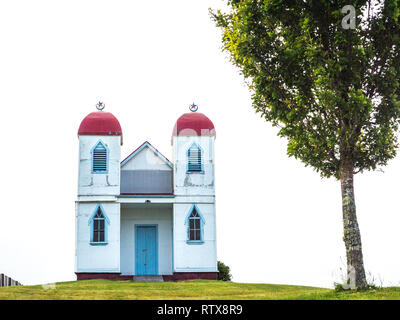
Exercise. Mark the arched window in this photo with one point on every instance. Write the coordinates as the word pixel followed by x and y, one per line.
pixel 99 223
pixel 195 226
pixel 194 159
pixel 100 158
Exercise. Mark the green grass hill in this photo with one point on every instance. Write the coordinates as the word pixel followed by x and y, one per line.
pixel 198 289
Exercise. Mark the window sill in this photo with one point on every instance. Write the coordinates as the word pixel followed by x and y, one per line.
pixel 198 172
pixel 194 241
pixel 101 172
pixel 98 243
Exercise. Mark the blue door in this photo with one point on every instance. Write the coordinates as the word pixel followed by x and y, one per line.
pixel 146 250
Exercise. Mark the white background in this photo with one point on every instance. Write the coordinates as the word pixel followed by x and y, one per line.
pixel 277 221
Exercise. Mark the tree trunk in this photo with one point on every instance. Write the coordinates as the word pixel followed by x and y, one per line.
pixel 352 236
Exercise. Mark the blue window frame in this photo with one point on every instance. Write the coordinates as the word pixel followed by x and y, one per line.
pixel 98 226
pixel 195 159
pixel 100 158
pixel 195 226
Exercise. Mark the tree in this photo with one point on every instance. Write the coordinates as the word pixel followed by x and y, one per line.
pixel 334 93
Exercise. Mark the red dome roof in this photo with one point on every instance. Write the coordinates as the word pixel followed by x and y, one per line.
pixel 100 123
pixel 193 124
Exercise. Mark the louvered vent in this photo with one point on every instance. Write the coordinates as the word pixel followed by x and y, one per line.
pixel 100 158
pixel 195 159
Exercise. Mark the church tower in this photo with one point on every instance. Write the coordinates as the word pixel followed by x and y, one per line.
pixel 193 149
pixel 193 140
pixel 97 209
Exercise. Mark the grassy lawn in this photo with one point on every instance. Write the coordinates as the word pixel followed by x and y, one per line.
pixel 199 289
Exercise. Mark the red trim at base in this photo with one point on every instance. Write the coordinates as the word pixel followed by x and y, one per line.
pixel 125 277
pixel 173 277
pixel 193 275
pixel 88 276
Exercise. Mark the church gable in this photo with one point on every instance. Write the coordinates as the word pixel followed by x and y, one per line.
pixel 146 157
pixel 146 171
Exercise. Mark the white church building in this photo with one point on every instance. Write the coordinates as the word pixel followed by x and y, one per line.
pixel 146 215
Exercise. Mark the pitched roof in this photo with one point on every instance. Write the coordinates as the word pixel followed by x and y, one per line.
pixel 140 148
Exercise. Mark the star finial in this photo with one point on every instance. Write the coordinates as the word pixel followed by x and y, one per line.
pixel 100 105
pixel 193 107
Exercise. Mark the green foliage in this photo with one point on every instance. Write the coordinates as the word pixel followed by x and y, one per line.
pixel 334 93
pixel 224 272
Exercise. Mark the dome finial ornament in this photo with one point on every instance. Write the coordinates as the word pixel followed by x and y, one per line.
pixel 193 107
pixel 100 105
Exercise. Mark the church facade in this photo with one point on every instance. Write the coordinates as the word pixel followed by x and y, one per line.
pixel 146 215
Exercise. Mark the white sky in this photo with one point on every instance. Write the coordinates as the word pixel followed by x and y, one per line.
pixel 277 221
